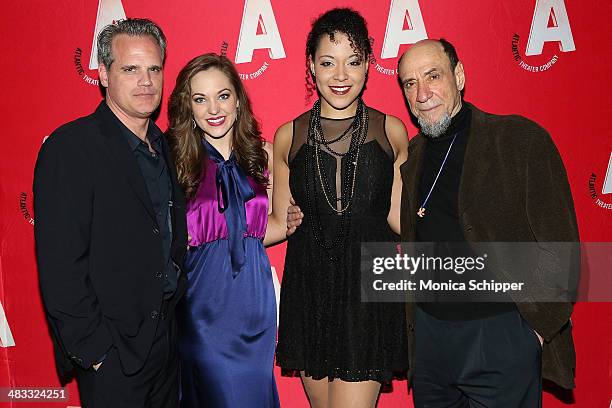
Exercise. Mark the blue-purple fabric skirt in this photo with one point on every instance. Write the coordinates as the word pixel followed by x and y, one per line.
pixel 227 329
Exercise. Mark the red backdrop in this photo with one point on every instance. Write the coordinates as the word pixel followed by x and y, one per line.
pixel 46 81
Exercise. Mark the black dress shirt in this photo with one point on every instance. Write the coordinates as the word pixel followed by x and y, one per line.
pixel 157 179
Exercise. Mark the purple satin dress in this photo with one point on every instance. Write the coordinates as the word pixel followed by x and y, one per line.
pixel 227 318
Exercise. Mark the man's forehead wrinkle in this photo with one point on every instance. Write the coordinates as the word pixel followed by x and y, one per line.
pixel 423 65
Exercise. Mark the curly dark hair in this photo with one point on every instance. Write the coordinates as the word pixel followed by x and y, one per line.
pixel 339 20
pixel 185 141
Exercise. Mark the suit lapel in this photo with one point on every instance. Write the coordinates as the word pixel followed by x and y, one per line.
pixel 178 201
pixel 476 162
pixel 123 156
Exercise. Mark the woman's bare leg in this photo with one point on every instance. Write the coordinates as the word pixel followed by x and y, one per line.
pixel 316 391
pixel 344 394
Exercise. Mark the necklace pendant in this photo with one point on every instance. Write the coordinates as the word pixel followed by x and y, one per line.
pixel 421 212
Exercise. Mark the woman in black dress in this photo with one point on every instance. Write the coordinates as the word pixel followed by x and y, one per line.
pixel 340 162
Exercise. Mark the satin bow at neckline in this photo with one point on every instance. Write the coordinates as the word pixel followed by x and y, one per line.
pixel 233 191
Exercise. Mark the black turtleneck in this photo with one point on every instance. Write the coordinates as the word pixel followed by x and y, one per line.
pixel 441 221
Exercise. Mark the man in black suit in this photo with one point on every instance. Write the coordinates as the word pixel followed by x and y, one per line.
pixel 111 232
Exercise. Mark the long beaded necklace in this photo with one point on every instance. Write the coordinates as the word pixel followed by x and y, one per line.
pixel 316 141
pixel 318 138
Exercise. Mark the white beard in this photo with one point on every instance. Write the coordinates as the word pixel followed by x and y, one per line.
pixel 435 129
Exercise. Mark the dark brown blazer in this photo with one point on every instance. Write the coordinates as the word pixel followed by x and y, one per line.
pixel 513 188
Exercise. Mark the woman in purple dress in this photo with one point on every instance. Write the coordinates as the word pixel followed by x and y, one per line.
pixel 227 319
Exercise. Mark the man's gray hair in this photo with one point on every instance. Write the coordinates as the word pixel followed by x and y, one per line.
pixel 134 27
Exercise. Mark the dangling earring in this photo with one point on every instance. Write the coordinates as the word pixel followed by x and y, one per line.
pixel 193 123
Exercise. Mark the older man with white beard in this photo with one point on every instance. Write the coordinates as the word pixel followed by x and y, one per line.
pixel 477 177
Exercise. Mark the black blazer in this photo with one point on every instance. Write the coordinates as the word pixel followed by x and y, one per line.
pixel 513 188
pixel 98 246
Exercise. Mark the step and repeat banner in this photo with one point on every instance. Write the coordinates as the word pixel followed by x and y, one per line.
pixel 548 60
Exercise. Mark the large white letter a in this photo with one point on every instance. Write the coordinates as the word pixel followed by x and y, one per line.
pixel 6 337
pixel 607 185
pixel 560 30
pixel 258 13
pixel 401 12
pixel 109 11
